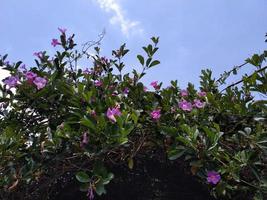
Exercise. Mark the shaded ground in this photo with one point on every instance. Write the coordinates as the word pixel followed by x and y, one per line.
pixel 149 180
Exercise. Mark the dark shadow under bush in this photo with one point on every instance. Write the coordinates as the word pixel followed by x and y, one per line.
pixel 149 179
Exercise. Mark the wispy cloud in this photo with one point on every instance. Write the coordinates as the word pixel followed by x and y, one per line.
pixel 127 26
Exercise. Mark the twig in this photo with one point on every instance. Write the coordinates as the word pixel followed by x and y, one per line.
pixel 229 72
pixel 240 81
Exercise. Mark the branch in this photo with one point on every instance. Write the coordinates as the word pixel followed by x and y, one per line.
pixel 89 44
pixel 240 81
pixel 232 70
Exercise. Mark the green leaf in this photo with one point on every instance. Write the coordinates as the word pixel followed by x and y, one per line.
pixel 107 179
pixel 155 62
pixel 141 59
pixel 176 153
pixel 148 61
pixel 82 177
pixel 100 188
pixel 86 122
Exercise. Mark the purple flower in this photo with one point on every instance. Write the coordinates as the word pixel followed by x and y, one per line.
pixel 55 42
pixel 155 114
pixel 39 54
pixel 87 71
pixel 126 90
pixel 155 85
pixel 85 139
pixel 112 113
pixel 40 82
pixel 90 193
pixel 62 30
pixel 185 105
pixel 22 68
pixel 213 177
pixel 198 103
pixel 184 93
pixel 11 81
pixel 98 83
pixel 202 94
pixel 30 76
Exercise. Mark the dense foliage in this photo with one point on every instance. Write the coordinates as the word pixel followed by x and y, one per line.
pixel 56 119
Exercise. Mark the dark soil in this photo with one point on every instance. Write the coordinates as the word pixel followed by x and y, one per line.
pixel 150 179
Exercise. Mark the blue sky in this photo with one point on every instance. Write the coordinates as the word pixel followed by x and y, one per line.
pixel 193 34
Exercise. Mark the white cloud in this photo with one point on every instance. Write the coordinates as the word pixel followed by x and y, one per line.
pixel 3 74
pixel 127 26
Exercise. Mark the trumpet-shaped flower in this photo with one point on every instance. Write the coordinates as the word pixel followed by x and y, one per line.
pixel 213 177
pixel 40 82
pixel 55 42
pixel 198 103
pixel 155 114
pixel 112 113
pixel 11 81
pixel 39 54
pixel 30 76
pixel 202 94
pixel 98 83
pixel 184 93
pixel 62 30
pixel 126 90
pixel 155 85
pixel 185 105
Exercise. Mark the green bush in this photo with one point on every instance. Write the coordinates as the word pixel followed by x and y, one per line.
pixel 61 119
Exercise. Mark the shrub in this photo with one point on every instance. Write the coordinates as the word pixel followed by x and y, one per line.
pixel 59 119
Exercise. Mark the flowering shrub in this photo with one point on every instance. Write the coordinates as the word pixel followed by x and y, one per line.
pixel 62 120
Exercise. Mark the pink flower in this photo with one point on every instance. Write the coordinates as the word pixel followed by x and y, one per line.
pixel 184 93
pixel 55 42
pixel 202 94
pixel 155 114
pixel 39 54
pixel 155 85
pixel 62 30
pixel 213 177
pixel 98 83
pixel 93 113
pixel 40 82
pixel 112 113
pixel 198 103
pixel 30 76
pixel 185 105
pixel 11 81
